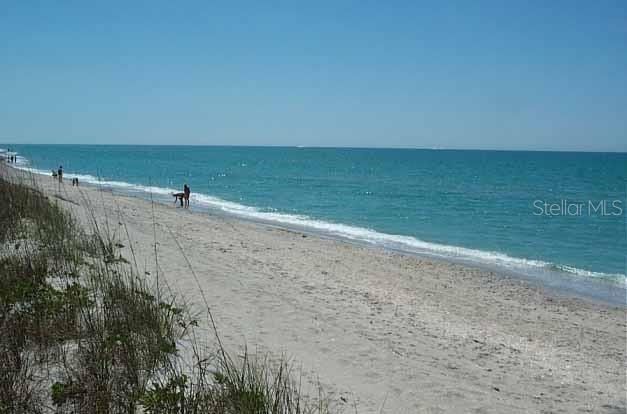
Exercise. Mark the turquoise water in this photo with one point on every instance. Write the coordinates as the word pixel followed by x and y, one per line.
pixel 484 207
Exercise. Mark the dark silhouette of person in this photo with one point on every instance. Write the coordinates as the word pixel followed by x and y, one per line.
pixel 60 173
pixel 186 193
pixel 179 197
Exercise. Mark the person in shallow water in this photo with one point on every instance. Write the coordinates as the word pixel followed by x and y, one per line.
pixel 178 197
pixel 186 193
pixel 182 197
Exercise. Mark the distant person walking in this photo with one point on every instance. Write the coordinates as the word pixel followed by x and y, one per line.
pixel 186 193
pixel 60 173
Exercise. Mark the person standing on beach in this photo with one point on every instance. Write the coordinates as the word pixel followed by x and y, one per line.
pixel 186 193
pixel 60 173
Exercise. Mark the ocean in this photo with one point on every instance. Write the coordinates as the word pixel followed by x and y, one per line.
pixel 555 217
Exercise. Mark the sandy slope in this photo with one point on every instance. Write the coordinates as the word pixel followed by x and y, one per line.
pixel 379 328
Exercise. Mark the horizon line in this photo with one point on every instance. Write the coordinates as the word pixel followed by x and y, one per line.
pixel 330 147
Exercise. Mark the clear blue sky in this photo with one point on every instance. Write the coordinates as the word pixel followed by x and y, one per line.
pixel 473 74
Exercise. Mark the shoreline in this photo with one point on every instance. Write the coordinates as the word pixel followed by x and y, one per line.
pixel 377 327
pixel 604 289
pixel 558 288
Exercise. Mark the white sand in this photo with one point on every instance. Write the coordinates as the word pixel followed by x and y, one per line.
pixel 379 328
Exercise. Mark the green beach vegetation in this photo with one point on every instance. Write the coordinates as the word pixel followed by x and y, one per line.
pixel 84 330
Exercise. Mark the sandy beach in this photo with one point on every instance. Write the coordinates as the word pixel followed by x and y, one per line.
pixel 381 331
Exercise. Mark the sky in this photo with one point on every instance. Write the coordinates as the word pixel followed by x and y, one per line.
pixel 536 75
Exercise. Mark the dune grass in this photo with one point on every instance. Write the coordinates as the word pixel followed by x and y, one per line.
pixel 83 330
